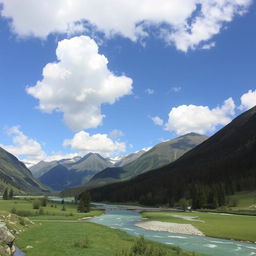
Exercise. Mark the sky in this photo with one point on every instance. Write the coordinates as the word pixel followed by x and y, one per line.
pixel 114 77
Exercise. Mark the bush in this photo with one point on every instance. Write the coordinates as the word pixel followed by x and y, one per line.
pixel 41 211
pixel 143 248
pixel 44 201
pixel 21 221
pixel 36 204
pixel 13 210
pixel 24 213
pixel 85 243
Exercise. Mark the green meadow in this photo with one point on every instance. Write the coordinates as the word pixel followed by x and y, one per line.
pixel 213 224
pixel 59 233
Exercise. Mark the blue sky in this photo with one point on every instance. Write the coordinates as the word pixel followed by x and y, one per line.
pixel 122 81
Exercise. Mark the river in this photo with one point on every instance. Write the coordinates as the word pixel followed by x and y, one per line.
pixel 118 218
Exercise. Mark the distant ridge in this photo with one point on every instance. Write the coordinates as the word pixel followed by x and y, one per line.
pixel 67 173
pixel 159 155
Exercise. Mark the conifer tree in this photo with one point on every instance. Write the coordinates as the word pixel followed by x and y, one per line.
pixel 5 194
pixel 84 202
pixel 11 194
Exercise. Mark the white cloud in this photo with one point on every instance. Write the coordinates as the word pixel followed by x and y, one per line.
pixel 114 134
pixel 97 143
pixel 79 83
pixel 208 46
pixel 199 119
pixel 149 91
pixel 157 120
pixel 176 89
pixel 188 22
pixel 24 147
pixel 248 100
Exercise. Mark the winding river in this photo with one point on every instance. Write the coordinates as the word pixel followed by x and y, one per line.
pixel 115 217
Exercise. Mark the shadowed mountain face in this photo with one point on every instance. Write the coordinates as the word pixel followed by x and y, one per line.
pixel 159 155
pixel 70 172
pixel 14 173
pixel 225 160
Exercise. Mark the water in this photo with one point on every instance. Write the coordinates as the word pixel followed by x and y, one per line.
pixel 124 220
pixel 18 252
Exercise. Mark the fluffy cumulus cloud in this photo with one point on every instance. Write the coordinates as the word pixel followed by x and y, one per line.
pixel 200 119
pixel 23 147
pixel 79 83
pixel 248 100
pixel 97 143
pixel 187 23
pixel 157 120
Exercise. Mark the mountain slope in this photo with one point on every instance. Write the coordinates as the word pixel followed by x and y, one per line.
pixel 129 158
pixel 60 177
pixel 160 155
pixel 14 173
pixel 70 172
pixel 225 162
pixel 42 167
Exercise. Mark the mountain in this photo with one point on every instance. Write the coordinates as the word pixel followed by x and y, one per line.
pixel 60 177
pixel 157 156
pixel 222 165
pixel 70 172
pixel 42 167
pixel 129 158
pixel 160 155
pixel 14 174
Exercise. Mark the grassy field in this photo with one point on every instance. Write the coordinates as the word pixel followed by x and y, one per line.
pixel 212 224
pixel 246 201
pixel 60 233
pixel 51 211
pixel 62 238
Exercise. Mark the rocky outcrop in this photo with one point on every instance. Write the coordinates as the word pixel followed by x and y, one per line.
pixel 6 240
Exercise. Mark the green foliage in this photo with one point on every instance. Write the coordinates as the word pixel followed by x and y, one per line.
pixel 21 221
pixel 84 243
pixel 44 201
pixel 84 202
pixel 5 194
pixel 183 204
pixel 36 204
pixel 141 247
pixel 63 208
pixel 41 211
pixel 10 194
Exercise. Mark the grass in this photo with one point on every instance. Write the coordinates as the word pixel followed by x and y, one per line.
pixel 246 200
pixel 66 238
pixel 214 225
pixel 51 211
pixel 59 235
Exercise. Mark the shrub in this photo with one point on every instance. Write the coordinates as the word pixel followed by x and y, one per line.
pixel 44 201
pixel 36 204
pixel 13 210
pixel 85 243
pixel 24 213
pixel 21 221
pixel 143 248
pixel 41 211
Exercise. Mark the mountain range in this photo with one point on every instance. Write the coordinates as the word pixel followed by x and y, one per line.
pixel 14 174
pixel 223 164
pixel 159 155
